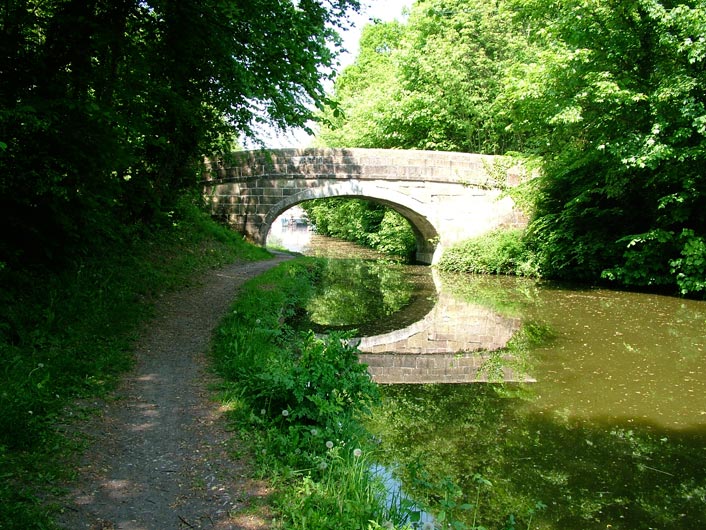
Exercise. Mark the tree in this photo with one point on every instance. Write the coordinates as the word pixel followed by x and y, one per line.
pixel 615 106
pixel 432 82
pixel 108 106
pixel 365 91
pixel 365 222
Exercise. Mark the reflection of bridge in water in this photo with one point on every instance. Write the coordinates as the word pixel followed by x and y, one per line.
pixel 451 344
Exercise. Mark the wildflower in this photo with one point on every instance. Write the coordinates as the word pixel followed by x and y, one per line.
pixel 285 413
pixel 314 432
pixel 323 465
pixel 329 444
pixel 262 411
pixel 357 453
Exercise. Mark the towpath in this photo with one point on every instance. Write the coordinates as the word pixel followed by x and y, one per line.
pixel 160 457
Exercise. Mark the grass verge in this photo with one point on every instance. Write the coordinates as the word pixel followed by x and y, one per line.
pixel 299 404
pixel 297 401
pixel 66 335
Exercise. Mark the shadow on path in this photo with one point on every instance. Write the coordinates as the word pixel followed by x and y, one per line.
pixel 158 455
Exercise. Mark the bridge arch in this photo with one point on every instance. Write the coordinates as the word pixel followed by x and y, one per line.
pixel 446 197
pixel 413 210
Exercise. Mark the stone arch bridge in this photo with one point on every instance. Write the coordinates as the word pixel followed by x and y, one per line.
pixel 446 197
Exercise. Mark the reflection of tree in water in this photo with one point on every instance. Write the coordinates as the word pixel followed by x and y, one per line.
pixel 354 292
pixel 590 474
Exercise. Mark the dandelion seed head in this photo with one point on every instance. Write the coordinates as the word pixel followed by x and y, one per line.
pixel 323 465
pixel 329 444
pixel 314 432
pixel 428 526
pixel 357 453
pixel 285 413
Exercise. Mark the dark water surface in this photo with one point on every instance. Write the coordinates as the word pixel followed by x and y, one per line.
pixel 611 435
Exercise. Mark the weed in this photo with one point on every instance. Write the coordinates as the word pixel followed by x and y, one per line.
pixel 498 252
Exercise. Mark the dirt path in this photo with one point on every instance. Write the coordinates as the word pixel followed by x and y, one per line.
pixel 158 459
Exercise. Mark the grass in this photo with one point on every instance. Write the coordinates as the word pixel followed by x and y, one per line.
pixel 66 335
pixel 297 401
pixel 299 404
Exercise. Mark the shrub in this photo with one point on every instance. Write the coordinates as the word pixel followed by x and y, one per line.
pixel 498 252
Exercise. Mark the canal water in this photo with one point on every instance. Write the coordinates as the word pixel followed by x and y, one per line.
pixel 601 420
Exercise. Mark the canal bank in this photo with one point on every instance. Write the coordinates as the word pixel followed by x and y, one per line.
pixel 613 432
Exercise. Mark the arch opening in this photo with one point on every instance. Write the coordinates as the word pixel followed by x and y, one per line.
pixel 425 233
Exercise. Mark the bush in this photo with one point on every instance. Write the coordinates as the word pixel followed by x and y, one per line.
pixel 394 236
pixel 498 252
pixel 364 222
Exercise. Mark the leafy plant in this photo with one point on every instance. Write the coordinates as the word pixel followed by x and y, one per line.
pixel 498 252
pixel 300 398
pixel 363 222
pixel 614 196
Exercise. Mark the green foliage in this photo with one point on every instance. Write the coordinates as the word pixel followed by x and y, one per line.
pixel 614 107
pixel 363 222
pixel 107 108
pixel 690 268
pixel 606 97
pixel 300 399
pixel 345 496
pixel 67 335
pixel 498 252
pixel 295 381
pixel 350 219
pixel 394 236
pixel 430 83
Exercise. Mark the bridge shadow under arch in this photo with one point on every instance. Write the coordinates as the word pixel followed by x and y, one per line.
pixel 413 210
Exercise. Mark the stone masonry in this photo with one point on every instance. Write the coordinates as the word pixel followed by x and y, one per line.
pixel 446 197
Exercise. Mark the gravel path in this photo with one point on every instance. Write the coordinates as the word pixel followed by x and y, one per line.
pixel 159 453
